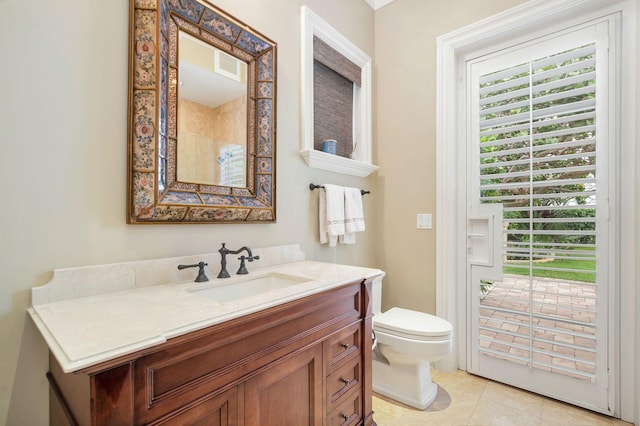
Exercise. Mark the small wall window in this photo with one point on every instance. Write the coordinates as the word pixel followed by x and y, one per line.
pixel 335 80
pixel 336 99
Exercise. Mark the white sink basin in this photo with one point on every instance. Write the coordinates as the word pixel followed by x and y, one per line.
pixel 250 287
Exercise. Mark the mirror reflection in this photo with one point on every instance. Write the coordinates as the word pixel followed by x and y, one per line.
pixel 212 115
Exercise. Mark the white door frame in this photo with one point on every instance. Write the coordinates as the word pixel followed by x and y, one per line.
pixel 525 22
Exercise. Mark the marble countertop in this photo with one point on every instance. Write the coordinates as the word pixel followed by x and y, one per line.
pixel 85 331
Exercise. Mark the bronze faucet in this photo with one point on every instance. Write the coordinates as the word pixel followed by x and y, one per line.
pixel 223 260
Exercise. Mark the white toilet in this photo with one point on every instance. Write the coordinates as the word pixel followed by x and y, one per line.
pixel 406 343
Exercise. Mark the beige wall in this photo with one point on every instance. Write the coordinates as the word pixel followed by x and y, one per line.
pixel 405 129
pixel 63 133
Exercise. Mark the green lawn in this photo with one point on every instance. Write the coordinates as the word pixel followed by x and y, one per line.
pixel 589 265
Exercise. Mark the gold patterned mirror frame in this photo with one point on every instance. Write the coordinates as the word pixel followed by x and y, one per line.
pixel 154 193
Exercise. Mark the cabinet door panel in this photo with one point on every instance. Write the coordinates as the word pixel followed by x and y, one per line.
pixel 289 393
pixel 221 410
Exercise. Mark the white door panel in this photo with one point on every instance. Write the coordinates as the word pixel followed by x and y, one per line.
pixel 537 217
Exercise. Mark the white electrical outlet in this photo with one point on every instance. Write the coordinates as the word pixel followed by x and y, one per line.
pixel 424 221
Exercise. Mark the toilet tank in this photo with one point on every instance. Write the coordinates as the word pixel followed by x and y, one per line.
pixel 376 289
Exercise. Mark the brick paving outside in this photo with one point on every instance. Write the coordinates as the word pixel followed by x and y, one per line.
pixel 562 319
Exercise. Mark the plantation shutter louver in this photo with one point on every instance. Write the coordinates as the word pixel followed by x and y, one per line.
pixel 537 125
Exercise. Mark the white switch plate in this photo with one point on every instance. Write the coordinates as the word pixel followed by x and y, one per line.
pixel 424 221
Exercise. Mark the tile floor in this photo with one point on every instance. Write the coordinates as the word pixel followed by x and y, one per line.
pixel 465 399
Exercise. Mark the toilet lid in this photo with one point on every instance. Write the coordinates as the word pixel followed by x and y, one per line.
pixel 411 322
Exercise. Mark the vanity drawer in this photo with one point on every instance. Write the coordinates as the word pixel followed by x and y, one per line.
pixel 340 382
pixel 349 412
pixel 343 345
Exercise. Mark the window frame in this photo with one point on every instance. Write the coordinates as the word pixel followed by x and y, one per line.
pixel 360 164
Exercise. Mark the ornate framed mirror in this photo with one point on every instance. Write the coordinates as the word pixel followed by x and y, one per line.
pixel 202 106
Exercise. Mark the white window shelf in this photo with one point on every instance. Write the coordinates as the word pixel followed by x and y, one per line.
pixel 334 163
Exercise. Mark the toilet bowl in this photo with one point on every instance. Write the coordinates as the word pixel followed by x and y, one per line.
pixel 407 342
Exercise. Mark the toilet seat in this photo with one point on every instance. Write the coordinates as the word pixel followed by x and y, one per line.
pixel 412 325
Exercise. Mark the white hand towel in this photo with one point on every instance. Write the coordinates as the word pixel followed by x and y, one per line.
pixel 331 214
pixel 322 220
pixel 353 212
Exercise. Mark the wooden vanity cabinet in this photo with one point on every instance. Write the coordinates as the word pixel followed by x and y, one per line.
pixel 305 362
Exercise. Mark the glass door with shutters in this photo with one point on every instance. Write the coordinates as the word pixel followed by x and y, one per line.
pixel 538 149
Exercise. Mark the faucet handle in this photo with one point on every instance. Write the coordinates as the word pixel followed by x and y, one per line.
pixel 243 268
pixel 202 277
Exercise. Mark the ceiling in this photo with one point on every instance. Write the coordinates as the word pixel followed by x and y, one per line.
pixel 377 4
